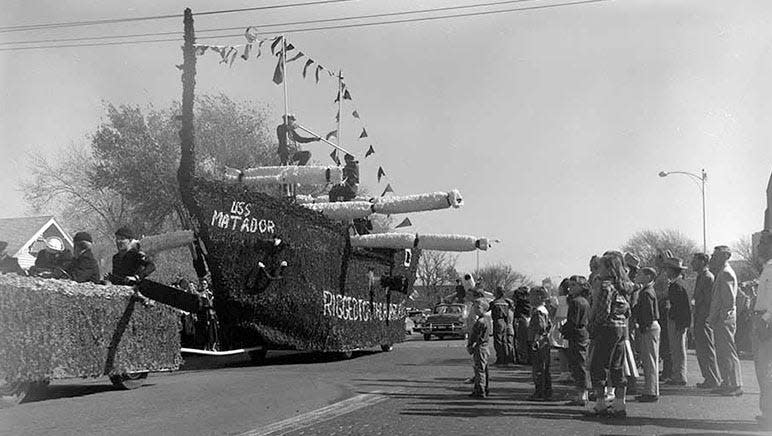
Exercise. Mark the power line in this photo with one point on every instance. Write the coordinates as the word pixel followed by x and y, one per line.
pixel 291 23
pixel 311 29
pixel 26 27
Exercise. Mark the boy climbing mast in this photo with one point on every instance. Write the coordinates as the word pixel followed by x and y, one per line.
pixel 286 131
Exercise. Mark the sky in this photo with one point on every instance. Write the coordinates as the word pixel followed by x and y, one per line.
pixel 553 123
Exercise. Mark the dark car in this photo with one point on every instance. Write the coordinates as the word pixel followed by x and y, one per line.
pixel 447 320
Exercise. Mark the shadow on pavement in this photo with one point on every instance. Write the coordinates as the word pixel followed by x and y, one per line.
pixel 695 424
pixel 274 358
pixel 53 392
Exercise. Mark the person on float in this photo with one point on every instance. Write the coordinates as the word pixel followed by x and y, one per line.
pixel 348 188
pixel 130 265
pixel 723 321
pixel 83 267
pixel 704 342
pixel 52 260
pixel 286 133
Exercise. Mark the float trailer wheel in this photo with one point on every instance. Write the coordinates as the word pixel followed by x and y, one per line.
pixel 129 381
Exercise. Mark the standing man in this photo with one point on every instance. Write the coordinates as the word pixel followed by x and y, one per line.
pixel 500 308
pixel 522 317
pixel 703 333
pixel 679 319
pixel 762 335
pixel 286 131
pixel 661 284
pixel 83 267
pixel 646 314
pixel 723 320
pixel 130 265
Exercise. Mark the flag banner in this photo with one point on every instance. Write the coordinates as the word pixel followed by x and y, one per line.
pixel 370 151
pixel 333 134
pixel 334 156
pixel 201 49
pixel 305 68
pixel 405 223
pixel 381 173
pixel 296 57
pixel 247 51
pixel 278 73
pixel 318 69
pixel 346 95
pixel 355 114
pixel 363 134
pixel 337 98
pixel 387 190
pixel 251 34
pixel 289 47
pixel 276 42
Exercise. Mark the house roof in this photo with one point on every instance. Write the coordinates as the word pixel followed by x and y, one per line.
pixel 18 231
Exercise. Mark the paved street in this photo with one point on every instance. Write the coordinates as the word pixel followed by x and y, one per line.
pixel 416 389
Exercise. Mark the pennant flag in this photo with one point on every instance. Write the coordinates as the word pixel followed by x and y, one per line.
pixel 370 151
pixel 247 51
pixel 346 95
pixel 335 158
pixel 318 69
pixel 337 98
pixel 305 68
pixel 363 134
pixel 334 133
pixel 251 34
pixel 201 49
pixel 405 223
pixel 355 114
pixel 179 66
pixel 381 173
pixel 296 57
pixel 290 47
pixel 276 42
pixel 278 73
pixel 388 189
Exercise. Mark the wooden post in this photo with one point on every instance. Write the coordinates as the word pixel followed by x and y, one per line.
pixel 340 106
pixel 187 139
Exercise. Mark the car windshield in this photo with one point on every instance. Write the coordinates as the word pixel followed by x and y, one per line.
pixel 451 310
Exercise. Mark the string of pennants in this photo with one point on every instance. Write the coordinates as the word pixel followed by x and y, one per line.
pixel 280 47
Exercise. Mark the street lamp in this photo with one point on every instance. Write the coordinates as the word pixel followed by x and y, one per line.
pixel 700 180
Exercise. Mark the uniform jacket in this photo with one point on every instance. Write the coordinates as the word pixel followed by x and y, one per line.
pixel 84 268
pixel 703 294
pixel 646 311
pixel 723 306
pixel 500 308
pixel 522 308
pixel 575 328
pixel 680 308
pixel 481 329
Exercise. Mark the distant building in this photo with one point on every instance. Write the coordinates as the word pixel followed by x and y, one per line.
pixel 22 233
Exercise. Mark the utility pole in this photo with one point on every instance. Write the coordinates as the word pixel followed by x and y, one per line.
pixel 187 138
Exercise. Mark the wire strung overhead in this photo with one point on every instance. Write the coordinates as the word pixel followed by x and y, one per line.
pixel 310 29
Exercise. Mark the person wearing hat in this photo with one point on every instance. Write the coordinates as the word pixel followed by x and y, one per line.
pixel 130 265
pixel 575 331
pixel 762 355
pixel 704 342
pixel 477 346
pixel 348 188
pixel 661 285
pixel 286 131
pixel 646 315
pixel 83 267
pixel 723 319
pixel 522 315
pixel 502 323
pixel 52 260
pixel 539 344
pixel 9 264
pixel 679 319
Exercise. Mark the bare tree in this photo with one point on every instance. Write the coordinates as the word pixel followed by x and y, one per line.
pixel 647 243
pixel 434 268
pixel 742 250
pixel 501 274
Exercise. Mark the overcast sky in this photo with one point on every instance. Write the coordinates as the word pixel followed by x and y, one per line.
pixel 553 123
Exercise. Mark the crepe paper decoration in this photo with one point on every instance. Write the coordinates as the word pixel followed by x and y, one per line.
pixel 381 173
pixel 305 68
pixel 363 134
pixel 296 57
pixel 370 151
pixel 405 223
pixel 167 241
pixel 387 190
pixel 439 242
pixel 418 202
pixel 307 175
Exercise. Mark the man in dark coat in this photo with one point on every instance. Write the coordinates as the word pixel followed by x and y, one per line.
pixel 130 265
pixel 51 261
pixel 286 132
pixel 679 319
pixel 9 264
pixel 500 308
pixel 704 342
pixel 522 318
pixel 83 268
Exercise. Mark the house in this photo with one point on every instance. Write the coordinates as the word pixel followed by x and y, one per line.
pixel 21 233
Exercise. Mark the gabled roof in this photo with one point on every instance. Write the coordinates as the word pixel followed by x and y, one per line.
pixel 18 231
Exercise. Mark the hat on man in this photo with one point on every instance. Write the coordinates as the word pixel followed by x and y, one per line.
pixel 539 293
pixel 632 260
pixel 723 249
pixel 649 271
pixel 124 233
pixel 289 117
pixel 348 157
pixel 82 236
pixel 54 243
pixel 674 263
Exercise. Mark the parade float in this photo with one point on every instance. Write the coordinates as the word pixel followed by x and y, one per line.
pixel 286 271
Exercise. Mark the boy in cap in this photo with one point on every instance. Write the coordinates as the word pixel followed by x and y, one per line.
pixel 575 330
pixel 130 265
pixel 83 267
pixel 286 131
pixel 539 344
pixel 477 346
pixel 679 319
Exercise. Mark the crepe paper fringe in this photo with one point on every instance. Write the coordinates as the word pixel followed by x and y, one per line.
pixel 167 241
pixel 439 242
pixel 348 210
pixel 305 175
pixel 54 329
pixel 418 202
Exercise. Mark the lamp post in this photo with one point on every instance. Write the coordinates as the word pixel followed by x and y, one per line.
pixel 700 179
